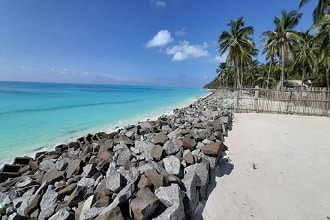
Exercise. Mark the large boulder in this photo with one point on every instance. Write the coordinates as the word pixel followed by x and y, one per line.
pixel 74 167
pixel 202 172
pixel 213 149
pixel 144 204
pixel 48 203
pixel 172 165
pixel 160 138
pixel 114 180
pixel 122 154
pixel 172 197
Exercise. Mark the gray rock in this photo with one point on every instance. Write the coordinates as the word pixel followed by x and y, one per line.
pixel 213 149
pixel 122 154
pixel 123 139
pixel 144 204
pixel 25 181
pixel 188 157
pixel 130 175
pixel 172 197
pixel 113 214
pixel 189 143
pixel 63 214
pixel 46 165
pixel 87 212
pixel 174 134
pixel 160 138
pixel 189 181
pixel 62 163
pixel 86 182
pixel 114 180
pixel 89 170
pixel 145 147
pixel 121 197
pixel 172 165
pixel 48 203
pixel 170 148
pixel 202 172
pixel 16 216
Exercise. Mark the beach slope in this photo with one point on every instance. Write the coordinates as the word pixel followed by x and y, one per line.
pixel 281 169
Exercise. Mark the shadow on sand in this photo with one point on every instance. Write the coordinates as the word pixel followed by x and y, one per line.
pixel 224 167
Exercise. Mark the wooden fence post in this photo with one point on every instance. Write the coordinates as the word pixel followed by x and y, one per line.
pixel 256 97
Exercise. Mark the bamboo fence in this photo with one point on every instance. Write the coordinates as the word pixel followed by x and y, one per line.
pixel 295 101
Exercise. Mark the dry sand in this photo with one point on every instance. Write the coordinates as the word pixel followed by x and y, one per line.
pixel 292 175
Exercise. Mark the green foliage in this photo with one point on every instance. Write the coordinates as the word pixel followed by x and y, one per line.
pixel 289 54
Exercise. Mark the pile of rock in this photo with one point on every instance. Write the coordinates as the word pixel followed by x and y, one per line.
pixel 155 169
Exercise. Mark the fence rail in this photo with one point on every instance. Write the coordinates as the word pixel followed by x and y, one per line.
pixel 302 102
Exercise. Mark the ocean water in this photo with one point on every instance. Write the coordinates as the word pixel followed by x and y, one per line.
pixel 40 115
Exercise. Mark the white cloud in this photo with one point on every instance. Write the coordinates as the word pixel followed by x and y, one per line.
pixel 158 3
pixel 221 58
pixel 184 50
pixel 181 32
pixel 162 38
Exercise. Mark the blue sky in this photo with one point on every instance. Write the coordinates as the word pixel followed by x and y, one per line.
pixel 140 42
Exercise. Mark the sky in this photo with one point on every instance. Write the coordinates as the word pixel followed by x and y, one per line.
pixel 137 42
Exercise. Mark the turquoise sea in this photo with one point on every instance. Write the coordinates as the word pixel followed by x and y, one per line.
pixel 40 115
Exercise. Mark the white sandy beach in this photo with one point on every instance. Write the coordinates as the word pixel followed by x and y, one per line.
pixel 292 175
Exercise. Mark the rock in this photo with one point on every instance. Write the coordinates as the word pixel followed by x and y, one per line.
pixel 63 214
pixel 170 148
pixel 178 143
pixel 52 176
pixel 213 149
pixel 86 182
pixel 202 172
pixel 74 168
pixel 16 216
pixel 87 212
pixel 59 149
pixel 114 180
pixel 130 175
pixel 124 195
pixel 174 134
pixel 172 165
pixel 123 139
pixel 189 181
pixel 144 204
pixel 188 157
pixel 68 189
pixel 157 152
pixel 144 182
pixel 145 147
pixel 172 197
pixel 76 196
pixel 62 163
pixel 48 203
pixel 25 181
pixel 156 178
pixel 122 154
pixel 102 201
pixel 160 138
pixel 113 214
pixel 189 143
pixel 46 165
pixel 89 170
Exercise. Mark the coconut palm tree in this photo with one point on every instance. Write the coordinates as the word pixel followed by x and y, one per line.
pixel 283 37
pixel 236 42
pixel 320 10
pixel 305 54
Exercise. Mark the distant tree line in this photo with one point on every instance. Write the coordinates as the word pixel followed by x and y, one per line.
pixel 289 54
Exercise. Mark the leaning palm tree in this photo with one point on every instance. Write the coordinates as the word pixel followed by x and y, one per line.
pixel 283 37
pixel 269 48
pixel 236 42
pixel 322 8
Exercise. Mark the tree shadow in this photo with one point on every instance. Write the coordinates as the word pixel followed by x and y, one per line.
pixel 224 167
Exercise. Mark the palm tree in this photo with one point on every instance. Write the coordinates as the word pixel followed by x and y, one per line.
pixel 283 37
pixel 320 10
pixel 237 42
pixel 305 54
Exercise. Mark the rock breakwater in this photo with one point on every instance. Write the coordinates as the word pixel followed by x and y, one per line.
pixel 156 169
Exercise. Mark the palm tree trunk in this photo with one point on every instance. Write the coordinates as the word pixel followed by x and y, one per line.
pixel 238 77
pixel 242 75
pixel 282 75
pixel 328 77
pixel 270 67
pixel 303 77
